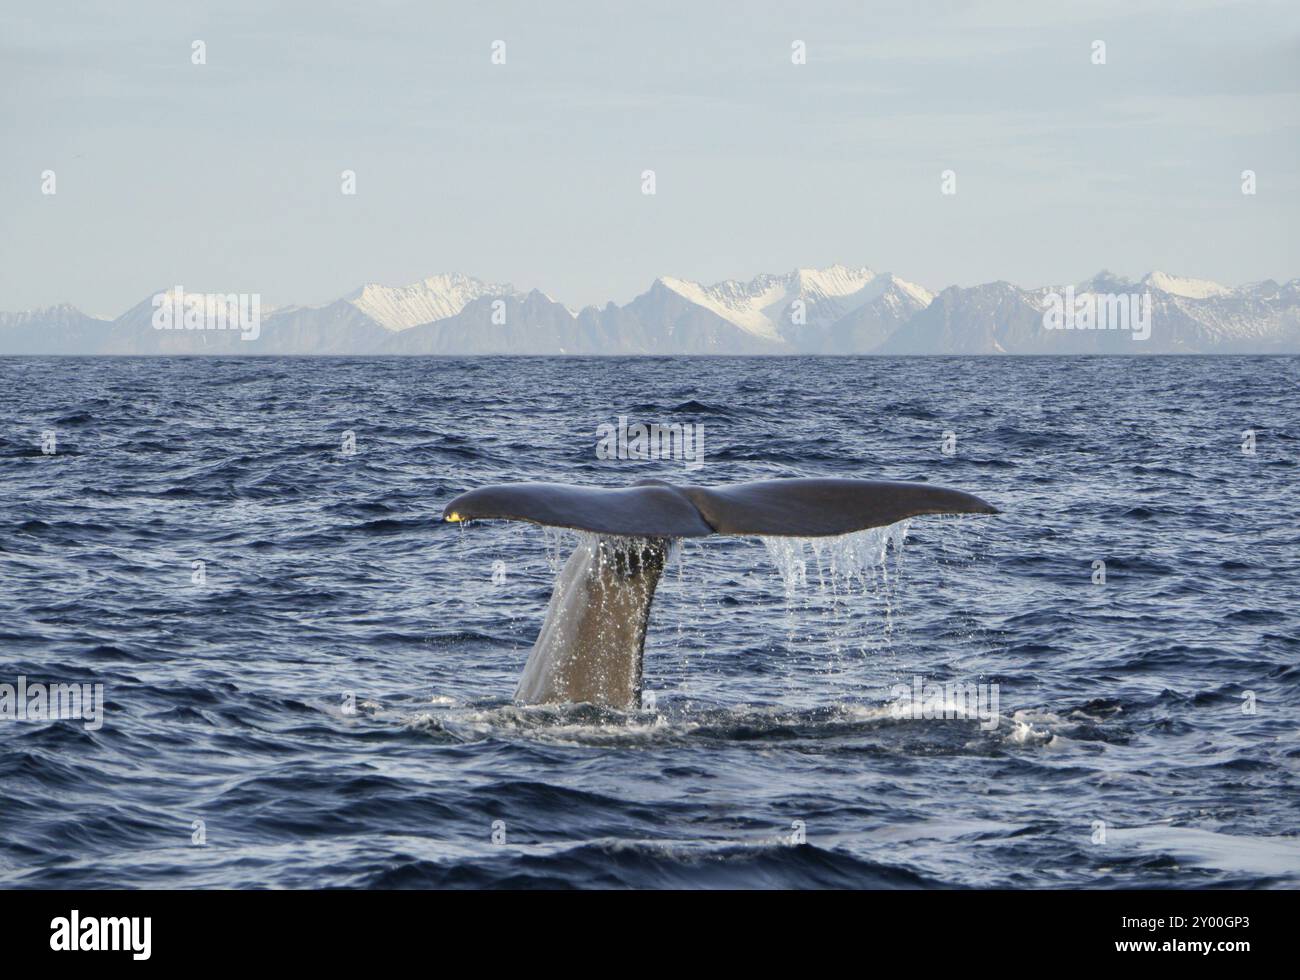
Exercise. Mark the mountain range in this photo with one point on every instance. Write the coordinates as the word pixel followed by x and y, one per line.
pixel 838 310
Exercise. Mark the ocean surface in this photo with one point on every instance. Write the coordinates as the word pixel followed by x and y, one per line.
pixel 325 701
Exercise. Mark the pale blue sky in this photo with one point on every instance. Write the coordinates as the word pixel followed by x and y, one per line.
pixel 226 176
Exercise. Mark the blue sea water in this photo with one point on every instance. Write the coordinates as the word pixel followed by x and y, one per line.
pixel 331 704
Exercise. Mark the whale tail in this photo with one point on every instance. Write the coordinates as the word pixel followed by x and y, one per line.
pixel 591 645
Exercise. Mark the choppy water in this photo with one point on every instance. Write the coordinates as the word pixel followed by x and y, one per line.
pixel 771 666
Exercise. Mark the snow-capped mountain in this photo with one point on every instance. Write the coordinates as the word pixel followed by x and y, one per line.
pixel 891 303
pixel 993 318
pixel 1203 317
pixel 795 306
pixel 839 310
pixel 512 323
pixel 436 298
pixel 1186 316
pixel 663 320
pixel 61 329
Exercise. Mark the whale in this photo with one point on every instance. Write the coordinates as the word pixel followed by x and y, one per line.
pixel 591 646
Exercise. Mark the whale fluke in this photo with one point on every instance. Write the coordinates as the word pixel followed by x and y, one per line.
pixel 591 645
pixel 801 508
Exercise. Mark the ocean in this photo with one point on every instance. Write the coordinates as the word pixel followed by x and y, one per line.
pixel 307 675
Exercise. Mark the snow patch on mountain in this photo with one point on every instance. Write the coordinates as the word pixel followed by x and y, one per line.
pixel 436 298
pixel 922 295
pixel 1189 288
pixel 742 304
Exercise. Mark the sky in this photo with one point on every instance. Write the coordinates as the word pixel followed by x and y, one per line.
pixel 226 176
